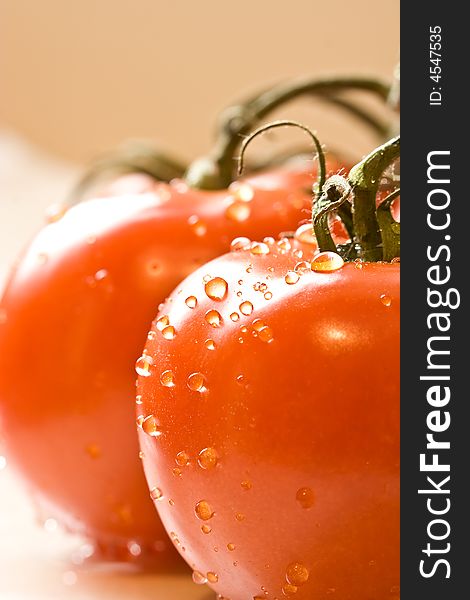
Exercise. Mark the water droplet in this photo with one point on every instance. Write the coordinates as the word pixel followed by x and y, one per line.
pixel 266 335
pixel 191 301
pixel 234 316
pixel 162 322
pixel 197 226
pixel 141 455
pixel 297 574
pixel 242 191
pixel 93 450
pixel 289 590
pixel 171 502
pixel 208 458
pixel 240 517
pixel 359 263
pixel 249 268
pixel 239 294
pixel 156 493
pixel 326 262
pixel 268 296
pixel 305 497
pixel 291 277
pixel 197 382
pixel 138 399
pixel 177 472
pixel 206 529
pixel 246 485
pixel 240 243
pixel 386 300
pixel 258 324
pixel 395 260
pixel 230 547
pixel 216 289
pixel 55 212
pixel 306 235
pixel 167 378
pixel 212 577
pixel 50 525
pixel 143 365
pixel 203 510
pixel 199 578
pixel 151 426
pixel 246 308
pixel 169 332
pixel 210 344
pixel 151 335
pixel 259 248
pixel 214 318
pixel 101 274
pixel 134 548
pixel 238 211
pixel 302 267
pixel 182 458
pixel 284 245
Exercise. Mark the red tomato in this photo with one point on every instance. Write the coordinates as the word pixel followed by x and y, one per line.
pixel 74 317
pixel 269 425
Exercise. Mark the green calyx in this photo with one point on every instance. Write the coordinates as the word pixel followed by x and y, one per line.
pixel 375 235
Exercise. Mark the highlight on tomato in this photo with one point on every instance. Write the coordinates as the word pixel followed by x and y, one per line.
pixel 269 420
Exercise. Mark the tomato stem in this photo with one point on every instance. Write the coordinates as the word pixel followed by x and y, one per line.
pixel 364 179
pixel 216 171
pixel 286 123
pixel 333 194
pixel 389 228
pixel 131 157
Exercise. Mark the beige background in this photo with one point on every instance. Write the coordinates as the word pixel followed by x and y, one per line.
pixel 77 77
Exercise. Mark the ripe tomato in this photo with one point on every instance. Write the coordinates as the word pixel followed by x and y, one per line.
pixel 269 425
pixel 74 317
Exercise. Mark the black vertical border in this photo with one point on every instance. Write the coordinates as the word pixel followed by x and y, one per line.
pixel 424 129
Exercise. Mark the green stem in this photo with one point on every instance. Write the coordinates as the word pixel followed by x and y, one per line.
pixel 364 179
pixel 389 228
pixel 286 123
pixel 332 196
pixel 378 126
pixel 216 171
pixel 131 157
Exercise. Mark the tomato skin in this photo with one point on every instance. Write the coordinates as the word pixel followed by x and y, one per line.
pixel 305 429
pixel 75 314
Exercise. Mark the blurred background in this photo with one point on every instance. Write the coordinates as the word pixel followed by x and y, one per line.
pixel 79 77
